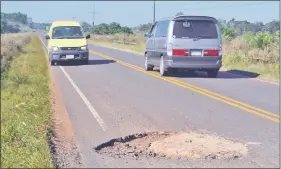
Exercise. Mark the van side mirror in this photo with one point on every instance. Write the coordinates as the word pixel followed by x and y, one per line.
pixel 47 37
pixel 147 35
pixel 88 36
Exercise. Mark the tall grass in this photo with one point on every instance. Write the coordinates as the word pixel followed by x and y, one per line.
pixel 11 45
pixel 25 106
pixel 256 53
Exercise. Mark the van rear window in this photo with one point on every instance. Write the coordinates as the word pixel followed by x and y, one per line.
pixel 195 29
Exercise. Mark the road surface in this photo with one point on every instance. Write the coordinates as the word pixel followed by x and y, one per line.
pixel 113 96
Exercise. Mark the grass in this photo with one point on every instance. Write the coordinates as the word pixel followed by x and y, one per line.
pixel 238 54
pixel 26 110
pixel 11 45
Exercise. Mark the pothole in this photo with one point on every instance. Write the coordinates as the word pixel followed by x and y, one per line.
pixel 188 145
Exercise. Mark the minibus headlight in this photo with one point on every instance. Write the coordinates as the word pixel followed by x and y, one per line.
pixel 84 47
pixel 54 48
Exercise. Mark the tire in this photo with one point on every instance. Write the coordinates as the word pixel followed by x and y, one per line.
pixel 213 73
pixel 163 70
pixel 147 66
pixel 174 70
pixel 85 62
pixel 52 63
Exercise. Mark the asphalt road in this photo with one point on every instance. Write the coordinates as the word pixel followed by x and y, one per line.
pixel 113 96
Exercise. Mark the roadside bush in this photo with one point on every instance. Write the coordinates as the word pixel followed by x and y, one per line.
pixel 11 45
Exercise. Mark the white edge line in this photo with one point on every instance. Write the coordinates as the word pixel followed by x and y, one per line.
pixel 83 97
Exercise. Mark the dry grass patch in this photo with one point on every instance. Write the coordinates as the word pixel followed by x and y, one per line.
pixel 11 45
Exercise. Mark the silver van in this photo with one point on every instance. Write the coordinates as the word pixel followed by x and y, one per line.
pixel 184 42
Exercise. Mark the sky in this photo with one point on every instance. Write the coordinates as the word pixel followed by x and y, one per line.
pixel 133 13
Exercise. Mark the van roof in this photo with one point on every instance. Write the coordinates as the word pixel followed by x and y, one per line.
pixel 180 17
pixel 65 23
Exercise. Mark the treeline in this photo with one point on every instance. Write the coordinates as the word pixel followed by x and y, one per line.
pixel 14 23
pixel 40 25
pixel 106 29
pixel 15 17
pixel 7 18
pixel 8 28
pixel 234 26
pixel 241 27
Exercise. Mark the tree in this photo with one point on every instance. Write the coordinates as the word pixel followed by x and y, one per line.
pixel 272 26
pixel 145 27
pixel 3 26
pixel 179 13
pixel 16 17
pixel 127 30
pixel 86 26
pixel 101 29
pixel 228 33
pixel 114 27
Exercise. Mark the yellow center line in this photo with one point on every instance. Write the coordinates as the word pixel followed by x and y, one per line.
pixel 238 104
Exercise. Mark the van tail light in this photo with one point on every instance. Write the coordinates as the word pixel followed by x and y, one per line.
pixel 211 52
pixel 180 52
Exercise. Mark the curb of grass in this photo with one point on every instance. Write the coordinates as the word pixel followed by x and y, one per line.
pixel 25 114
pixel 272 81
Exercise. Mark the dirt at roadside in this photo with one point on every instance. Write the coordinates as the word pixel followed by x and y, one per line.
pixel 63 148
pixel 186 145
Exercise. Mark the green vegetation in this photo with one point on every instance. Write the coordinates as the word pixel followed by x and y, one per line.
pixel 25 109
pixel 12 44
pixel 252 47
pixel 16 17
pixel 106 29
pixel 19 22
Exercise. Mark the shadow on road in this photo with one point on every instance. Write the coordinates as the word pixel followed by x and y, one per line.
pixel 229 74
pixel 247 74
pixel 91 62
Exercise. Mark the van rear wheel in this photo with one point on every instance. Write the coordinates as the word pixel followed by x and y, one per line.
pixel 174 70
pixel 213 73
pixel 163 70
pixel 147 66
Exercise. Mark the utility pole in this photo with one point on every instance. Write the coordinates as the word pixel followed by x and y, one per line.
pixel 94 13
pixel 153 11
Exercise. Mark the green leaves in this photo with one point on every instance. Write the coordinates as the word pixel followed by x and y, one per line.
pixel 112 28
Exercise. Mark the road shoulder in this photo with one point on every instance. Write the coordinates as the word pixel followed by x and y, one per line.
pixel 65 152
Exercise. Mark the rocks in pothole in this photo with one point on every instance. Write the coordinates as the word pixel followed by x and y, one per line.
pixel 179 145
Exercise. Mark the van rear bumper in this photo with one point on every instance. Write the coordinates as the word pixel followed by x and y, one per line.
pixel 195 63
pixel 61 55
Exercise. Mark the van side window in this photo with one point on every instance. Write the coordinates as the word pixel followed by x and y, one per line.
pixel 162 29
pixel 165 28
pixel 152 31
pixel 158 30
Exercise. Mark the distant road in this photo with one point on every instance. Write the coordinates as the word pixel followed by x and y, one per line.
pixel 113 96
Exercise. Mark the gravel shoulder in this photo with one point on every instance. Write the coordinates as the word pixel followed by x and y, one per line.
pixel 63 146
